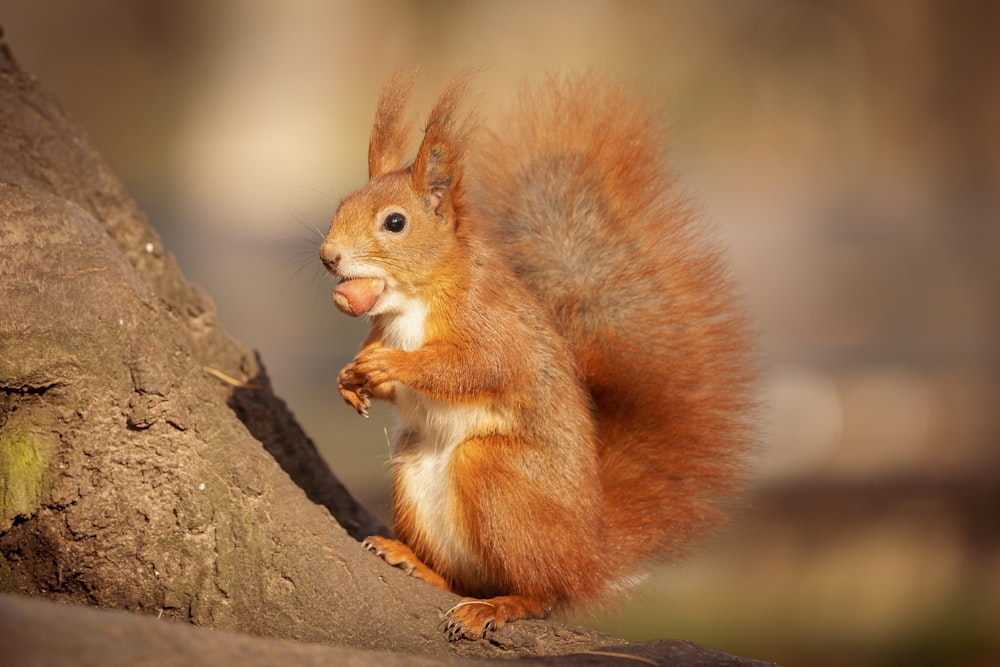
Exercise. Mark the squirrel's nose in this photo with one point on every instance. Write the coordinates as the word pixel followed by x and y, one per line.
pixel 330 258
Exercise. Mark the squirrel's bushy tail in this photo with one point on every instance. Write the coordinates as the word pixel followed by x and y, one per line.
pixel 575 189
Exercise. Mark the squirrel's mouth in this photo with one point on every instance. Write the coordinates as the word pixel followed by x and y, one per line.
pixel 356 296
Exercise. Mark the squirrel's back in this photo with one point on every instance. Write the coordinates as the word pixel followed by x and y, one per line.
pixel 573 189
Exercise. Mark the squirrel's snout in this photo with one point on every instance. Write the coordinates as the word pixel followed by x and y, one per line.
pixel 330 258
pixel 330 264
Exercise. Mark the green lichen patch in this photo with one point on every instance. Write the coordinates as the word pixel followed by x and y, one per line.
pixel 8 580
pixel 24 464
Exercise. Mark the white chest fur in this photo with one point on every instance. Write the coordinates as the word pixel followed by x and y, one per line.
pixel 405 329
pixel 434 432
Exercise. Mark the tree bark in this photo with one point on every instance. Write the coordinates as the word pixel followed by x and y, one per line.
pixel 133 475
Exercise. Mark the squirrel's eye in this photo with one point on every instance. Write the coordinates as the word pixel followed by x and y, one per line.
pixel 394 222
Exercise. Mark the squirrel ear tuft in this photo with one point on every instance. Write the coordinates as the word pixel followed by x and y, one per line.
pixel 391 128
pixel 437 169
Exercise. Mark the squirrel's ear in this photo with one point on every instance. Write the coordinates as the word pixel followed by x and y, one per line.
pixel 437 169
pixel 391 128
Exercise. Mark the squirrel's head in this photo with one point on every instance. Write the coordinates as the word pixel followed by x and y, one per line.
pixel 389 240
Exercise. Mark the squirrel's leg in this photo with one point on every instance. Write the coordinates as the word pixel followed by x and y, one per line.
pixel 472 618
pixel 399 555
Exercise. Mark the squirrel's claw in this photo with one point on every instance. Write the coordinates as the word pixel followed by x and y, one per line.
pixel 472 619
pixel 357 399
pixel 353 388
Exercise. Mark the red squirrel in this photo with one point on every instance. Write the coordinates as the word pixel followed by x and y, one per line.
pixel 561 342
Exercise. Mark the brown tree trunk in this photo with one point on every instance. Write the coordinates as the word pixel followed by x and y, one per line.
pixel 132 474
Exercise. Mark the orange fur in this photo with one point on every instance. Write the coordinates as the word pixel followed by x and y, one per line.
pixel 559 337
pixel 390 134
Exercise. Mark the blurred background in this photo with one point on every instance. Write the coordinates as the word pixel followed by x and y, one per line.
pixel 847 153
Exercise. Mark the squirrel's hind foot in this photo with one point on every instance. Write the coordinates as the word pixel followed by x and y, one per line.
pixel 399 555
pixel 473 618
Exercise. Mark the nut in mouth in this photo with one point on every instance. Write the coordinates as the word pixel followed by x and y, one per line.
pixel 356 296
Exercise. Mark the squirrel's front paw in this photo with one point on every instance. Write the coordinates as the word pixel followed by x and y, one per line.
pixel 373 365
pixel 367 377
pixel 351 388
